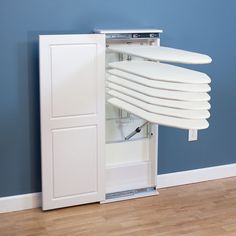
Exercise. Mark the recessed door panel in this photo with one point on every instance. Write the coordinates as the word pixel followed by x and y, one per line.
pixel 75 161
pixel 73 79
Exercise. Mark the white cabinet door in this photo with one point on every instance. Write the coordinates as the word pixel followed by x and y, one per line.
pixel 72 102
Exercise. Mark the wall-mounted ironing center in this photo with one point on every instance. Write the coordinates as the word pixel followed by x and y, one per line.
pixel 95 154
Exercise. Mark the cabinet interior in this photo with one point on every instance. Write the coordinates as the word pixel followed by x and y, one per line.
pixel 131 165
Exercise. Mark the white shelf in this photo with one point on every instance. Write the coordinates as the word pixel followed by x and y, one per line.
pixel 160 119
pixel 164 54
pixel 161 84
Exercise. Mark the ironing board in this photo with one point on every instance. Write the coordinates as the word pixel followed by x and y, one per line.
pixel 160 93
pixel 181 113
pixel 164 54
pixel 160 119
pixel 161 84
pixel 158 101
pixel 176 95
pixel 160 71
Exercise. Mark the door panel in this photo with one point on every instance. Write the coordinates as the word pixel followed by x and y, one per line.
pixel 74 161
pixel 73 80
pixel 72 105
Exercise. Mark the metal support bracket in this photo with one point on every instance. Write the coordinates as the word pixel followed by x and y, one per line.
pixel 137 130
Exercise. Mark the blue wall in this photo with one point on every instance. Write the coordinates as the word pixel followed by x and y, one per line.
pixel 201 25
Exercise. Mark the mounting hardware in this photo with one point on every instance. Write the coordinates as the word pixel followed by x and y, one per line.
pixel 137 130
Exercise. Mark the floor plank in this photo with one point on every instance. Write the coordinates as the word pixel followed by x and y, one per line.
pixel 202 209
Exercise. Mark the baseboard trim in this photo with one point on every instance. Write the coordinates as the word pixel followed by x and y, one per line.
pixel 195 176
pixel 20 202
pixel 33 200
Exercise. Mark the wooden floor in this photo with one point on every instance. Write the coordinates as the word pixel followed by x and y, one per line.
pixel 199 209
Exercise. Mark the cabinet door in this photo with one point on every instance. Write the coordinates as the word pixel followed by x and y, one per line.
pixel 72 100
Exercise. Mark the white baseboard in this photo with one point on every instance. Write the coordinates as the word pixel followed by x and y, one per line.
pixel 20 202
pixel 195 176
pixel 29 201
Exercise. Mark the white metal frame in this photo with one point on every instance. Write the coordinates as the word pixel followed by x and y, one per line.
pixel 142 174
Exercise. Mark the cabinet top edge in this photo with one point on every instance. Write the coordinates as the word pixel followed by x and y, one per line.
pixel 119 31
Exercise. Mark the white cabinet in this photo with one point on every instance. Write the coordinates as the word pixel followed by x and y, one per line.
pixel 72 100
pixel 93 154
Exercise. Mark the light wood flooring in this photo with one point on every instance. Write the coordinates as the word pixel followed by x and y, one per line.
pixel 204 209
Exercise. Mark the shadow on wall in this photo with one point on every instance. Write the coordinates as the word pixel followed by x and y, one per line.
pixel 28 103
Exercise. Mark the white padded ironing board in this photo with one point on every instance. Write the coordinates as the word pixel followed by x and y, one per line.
pixel 161 84
pixel 158 101
pixel 165 54
pixel 160 71
pixel 176 95
pixel 160 119
pixel 189 114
